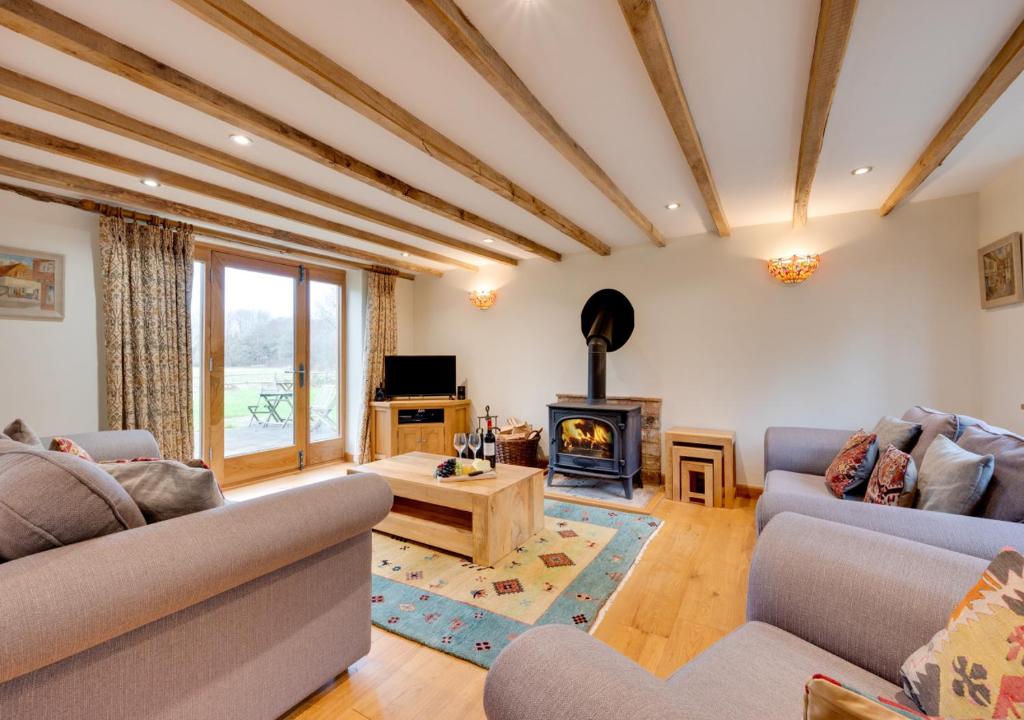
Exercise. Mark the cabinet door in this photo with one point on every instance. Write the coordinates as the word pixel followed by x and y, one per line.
pixel 433 440
pixel 409 439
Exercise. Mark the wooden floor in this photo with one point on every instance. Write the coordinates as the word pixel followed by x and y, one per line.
pixel 688 590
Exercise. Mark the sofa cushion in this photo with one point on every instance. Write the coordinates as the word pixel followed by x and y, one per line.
pixel 951 479
pixel 791 482
pixel 894 479
pixel 52 499
pixel 933 423
pixel 893 431
pixel 849 472
pixel 1004 499
pixel 774 666
pixel 19 431
pixel 972 667
pixel 165 489
pixel 827 699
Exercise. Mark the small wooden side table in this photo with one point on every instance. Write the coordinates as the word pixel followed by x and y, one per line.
pixel 723 440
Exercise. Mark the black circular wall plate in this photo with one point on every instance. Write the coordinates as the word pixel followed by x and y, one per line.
pixel 615 313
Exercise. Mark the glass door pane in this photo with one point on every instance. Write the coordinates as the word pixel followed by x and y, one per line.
pixel 324 361
pixel 259 361
pixel 198 317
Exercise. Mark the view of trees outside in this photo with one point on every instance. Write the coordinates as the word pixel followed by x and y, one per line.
pixel 324 359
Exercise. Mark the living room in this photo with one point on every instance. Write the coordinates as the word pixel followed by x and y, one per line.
pixel 511 359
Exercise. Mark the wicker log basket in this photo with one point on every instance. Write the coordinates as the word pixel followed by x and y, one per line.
pixel 518 451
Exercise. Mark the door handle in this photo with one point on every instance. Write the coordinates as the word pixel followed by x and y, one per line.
pixel 302 375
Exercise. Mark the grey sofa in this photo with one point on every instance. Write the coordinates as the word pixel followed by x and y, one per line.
pixel 804 616
pixel 796 460
pixel 236 612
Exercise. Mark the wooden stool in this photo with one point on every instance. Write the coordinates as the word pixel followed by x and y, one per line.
pixel 694 444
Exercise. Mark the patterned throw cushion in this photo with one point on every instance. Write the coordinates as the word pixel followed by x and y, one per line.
pixel 974 668
pixel 851 468
pixel 951 479
pixel 828 699
pixel 67 445
pixel 894 479
pixel 19 431
pixel 893 431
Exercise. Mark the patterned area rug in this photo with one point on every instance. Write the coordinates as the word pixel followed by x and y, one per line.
pixel 565 574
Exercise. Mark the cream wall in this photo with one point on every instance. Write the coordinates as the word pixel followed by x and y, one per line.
pixel 50 370
pixel 1000 212
pixel 889 320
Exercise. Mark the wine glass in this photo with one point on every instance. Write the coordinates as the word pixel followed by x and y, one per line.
pixel 460 442
pixel 474 442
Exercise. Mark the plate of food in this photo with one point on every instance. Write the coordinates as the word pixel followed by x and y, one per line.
pixel 455 470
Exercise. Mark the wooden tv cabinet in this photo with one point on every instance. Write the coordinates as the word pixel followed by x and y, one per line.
pixel 392 437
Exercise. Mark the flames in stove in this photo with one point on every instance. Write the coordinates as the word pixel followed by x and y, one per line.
pixel 582 436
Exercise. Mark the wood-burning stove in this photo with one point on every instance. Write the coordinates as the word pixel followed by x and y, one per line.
pixel 597 439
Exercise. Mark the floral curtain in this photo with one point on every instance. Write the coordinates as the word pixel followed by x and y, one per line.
pixel 147 286
pixel 379 339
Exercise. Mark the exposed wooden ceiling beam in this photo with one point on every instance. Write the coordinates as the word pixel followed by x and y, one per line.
pixel 258 32
pixel 44 25
pixel 644 21
pixel 94 207
pixel 263 245
pixel 46 97
pixel 451 23
pixel 30 172
pixel 101 158
pixel 835 21
pixel 999 75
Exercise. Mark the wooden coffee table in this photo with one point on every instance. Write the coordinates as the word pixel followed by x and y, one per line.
pixel 482 519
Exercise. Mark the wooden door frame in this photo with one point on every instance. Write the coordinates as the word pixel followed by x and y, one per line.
pixel 250 468
pixel 333 449
pixel 205 256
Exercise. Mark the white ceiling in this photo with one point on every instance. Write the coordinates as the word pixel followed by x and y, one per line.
pixel 743 64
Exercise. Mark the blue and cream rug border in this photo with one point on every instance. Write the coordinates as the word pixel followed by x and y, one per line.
pixel 478 635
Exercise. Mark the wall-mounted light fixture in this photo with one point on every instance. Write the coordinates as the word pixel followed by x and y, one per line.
pixel 794 269
pixel 483 299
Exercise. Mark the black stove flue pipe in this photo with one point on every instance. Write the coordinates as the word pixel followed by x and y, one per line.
pixel 607 323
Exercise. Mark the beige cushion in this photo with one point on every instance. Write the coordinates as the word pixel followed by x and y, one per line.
pixel 50 499
pixel 165 489
pixel 19 431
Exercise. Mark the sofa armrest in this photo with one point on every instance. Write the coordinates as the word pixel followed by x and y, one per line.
pixel 802 450
pixel 872 599
pixel 965 534
pixel 556 672
pixel 108 445
pixel 60 602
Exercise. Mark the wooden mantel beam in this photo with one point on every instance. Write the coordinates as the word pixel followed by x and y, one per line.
pixel 30 172
pixel 644 21
pixel 51 99
pixel 999 75
pixel 835 21
pixel 245 24
pixel 101 158
pixel 46 26
pixel 451 23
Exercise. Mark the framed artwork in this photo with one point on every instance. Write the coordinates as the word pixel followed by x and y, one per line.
pixel 999 272
pixel 31 284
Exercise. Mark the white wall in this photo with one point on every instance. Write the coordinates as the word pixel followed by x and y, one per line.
pixel 50 370
pixel 1001 212
pixel 889 320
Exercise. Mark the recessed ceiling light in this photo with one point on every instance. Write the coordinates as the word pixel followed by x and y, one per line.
pixel 150 182
pixel 239 139
pixel 862 170
pixel 672 206
pixel 488 240
pixel 405 254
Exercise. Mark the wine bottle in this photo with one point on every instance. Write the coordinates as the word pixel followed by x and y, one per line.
pixel 489 444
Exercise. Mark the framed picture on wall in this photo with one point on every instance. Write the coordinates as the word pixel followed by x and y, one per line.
pixel 999 272
pixel 31 284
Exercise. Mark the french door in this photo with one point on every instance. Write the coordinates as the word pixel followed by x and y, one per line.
pixel 273 381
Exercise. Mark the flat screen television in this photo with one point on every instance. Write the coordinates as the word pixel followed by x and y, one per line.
pixel 419 375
